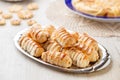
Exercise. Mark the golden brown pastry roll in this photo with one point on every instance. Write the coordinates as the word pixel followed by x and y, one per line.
pixel 50 29
pixel 53 46
pixel 75 35
pixel 31 46
pixel 63 37
pixel 88 46
pixel 39 34
pixel 57 58
pixel 79 59
pixel 45 44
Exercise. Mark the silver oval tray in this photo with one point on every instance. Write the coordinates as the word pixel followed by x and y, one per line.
pixel 102 63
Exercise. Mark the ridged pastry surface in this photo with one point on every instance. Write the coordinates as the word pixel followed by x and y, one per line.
pixel 57 58
pixel 79 59
pixel 31 46
pixel 53 46
pixel 63 37
pixel 88 46
pixel 50 29
pixel 39 34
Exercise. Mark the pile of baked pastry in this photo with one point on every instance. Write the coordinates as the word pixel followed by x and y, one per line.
pixel 59 46
pixel 105 8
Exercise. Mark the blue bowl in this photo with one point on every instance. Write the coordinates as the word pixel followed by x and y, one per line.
pixel 68 3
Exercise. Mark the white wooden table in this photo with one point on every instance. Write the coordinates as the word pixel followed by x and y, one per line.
pixel 16 66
